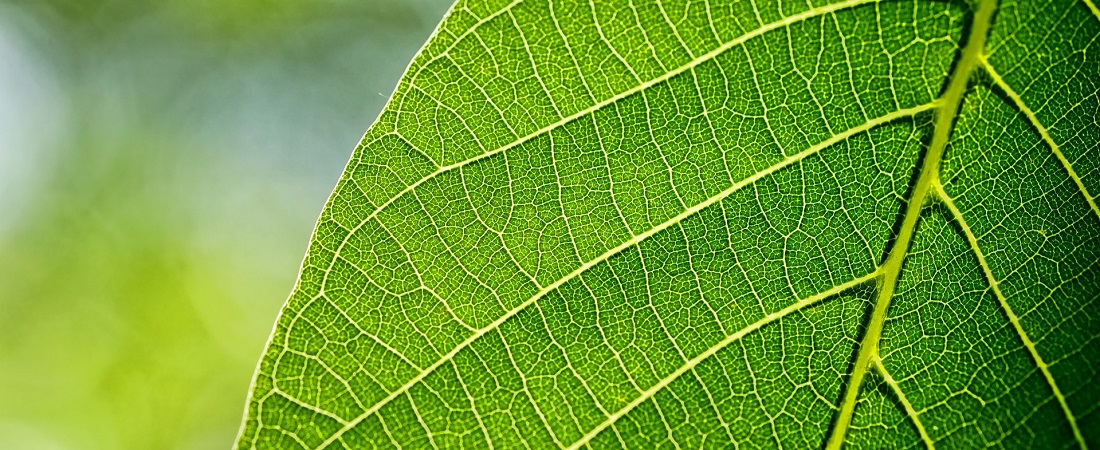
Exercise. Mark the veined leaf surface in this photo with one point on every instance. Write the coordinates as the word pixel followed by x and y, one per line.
pixel 711 223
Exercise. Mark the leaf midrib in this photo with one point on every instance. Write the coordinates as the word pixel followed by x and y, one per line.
pixel 930 188
pixel 927 180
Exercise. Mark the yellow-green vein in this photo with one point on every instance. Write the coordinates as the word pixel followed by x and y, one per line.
pixel 1019 102
pixel 1012 317
pixel 909 410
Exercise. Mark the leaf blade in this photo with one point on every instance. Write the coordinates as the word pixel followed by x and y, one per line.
pixel 468 202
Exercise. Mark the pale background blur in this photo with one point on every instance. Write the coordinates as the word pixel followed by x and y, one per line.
pixel 161 168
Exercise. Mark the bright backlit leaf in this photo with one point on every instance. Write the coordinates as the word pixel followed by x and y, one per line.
pixel 688 224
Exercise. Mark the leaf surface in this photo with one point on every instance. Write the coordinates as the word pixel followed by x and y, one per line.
pixel 689 224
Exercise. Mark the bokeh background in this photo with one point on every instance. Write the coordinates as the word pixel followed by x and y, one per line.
pixel 161 168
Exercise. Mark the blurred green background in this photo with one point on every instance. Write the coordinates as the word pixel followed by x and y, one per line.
pixel 161 168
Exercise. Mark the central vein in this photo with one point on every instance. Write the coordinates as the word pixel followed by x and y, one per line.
pixel 928 178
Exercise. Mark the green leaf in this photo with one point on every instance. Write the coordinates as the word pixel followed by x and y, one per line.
pixel 711 223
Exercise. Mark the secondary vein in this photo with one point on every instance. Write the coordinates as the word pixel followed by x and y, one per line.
pixel 912 412
pixel 1019 102
pixel 1012 317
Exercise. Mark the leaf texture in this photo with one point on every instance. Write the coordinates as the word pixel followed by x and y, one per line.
pixel 687 224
